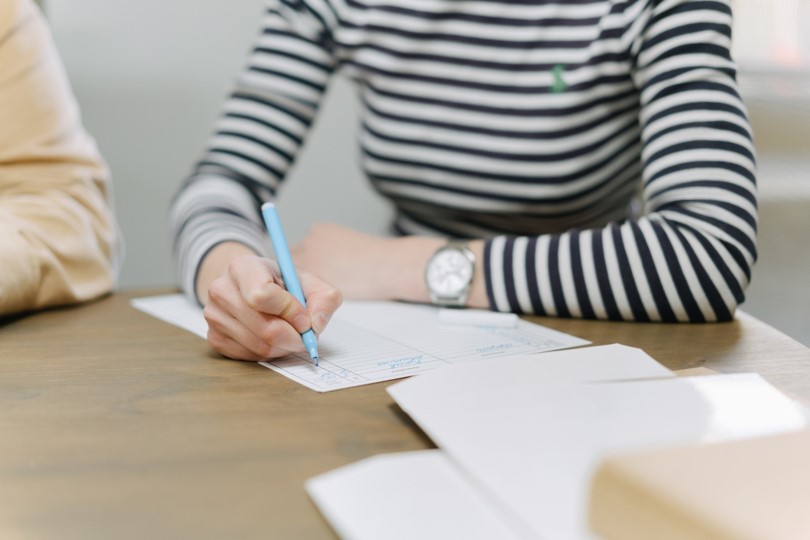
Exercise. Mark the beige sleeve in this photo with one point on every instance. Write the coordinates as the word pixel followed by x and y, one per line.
pixel 57 233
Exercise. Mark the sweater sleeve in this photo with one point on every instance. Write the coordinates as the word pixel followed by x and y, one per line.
pixel 261 128
pixel 57 233
pixel 688 256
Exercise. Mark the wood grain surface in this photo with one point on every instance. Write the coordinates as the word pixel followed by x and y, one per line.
pixel 116 425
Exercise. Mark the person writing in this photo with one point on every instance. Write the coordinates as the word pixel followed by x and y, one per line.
pixel 561 158
pixel 57 233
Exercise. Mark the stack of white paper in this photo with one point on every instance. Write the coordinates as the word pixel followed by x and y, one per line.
pixel 525 437
pixel 425 495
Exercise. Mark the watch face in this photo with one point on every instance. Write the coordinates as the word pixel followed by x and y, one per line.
pixel 449 273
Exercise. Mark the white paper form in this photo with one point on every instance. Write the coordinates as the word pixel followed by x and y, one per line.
pixel 404 496
pixel 368 342
pixel 535 446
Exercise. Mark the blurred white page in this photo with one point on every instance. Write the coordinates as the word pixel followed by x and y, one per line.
pixel 368 342
pixel 534 445
pixel 423 494
pixel 174 309
pixel 405 496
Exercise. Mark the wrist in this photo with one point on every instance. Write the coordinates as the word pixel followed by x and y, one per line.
pixel 409 257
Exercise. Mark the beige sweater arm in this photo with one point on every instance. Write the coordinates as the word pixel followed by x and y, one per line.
pixel 57 233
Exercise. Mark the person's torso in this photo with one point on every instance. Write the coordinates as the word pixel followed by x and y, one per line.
pixel 486 117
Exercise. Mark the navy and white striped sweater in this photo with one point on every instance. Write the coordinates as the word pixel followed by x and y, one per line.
pixel 532 123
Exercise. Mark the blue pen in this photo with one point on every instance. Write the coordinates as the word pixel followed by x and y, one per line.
pixel 285 263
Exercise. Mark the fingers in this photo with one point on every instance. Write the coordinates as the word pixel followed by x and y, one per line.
pixel 252 317
pixel 246 309
pixel 323 300
pixel 267 297
pixel 261 289
pixel 229 348
pixel 262 336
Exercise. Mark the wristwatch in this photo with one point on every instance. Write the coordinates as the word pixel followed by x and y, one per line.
pixel 449 274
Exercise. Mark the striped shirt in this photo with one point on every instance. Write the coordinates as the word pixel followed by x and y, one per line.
pixel 600 147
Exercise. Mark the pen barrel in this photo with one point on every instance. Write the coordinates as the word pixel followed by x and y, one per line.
pixel 310 342
pixel 282 251
pixel 288 273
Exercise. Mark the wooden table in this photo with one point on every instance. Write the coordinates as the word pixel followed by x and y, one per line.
pixel 116 425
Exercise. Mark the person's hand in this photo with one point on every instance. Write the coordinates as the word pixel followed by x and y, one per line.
pixel 251 316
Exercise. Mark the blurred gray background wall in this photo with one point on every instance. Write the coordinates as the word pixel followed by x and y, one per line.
pixel 150 77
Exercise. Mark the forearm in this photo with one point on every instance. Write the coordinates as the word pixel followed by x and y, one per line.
pixel 57 246
pixel 369 267
pixel 660 268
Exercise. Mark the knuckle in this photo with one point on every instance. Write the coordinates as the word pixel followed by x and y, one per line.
pixel 216 291
pixel 264 349
pixel 254 299
pixel 263 298
pixel 330 298
pixel 268 334
pixel 289 307
pixel 335 296
pixel 216 340
pixel 216 326
pixel 234 266
pixel 210 315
